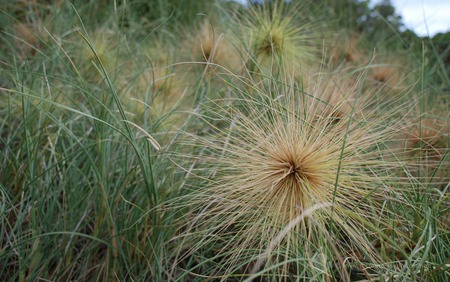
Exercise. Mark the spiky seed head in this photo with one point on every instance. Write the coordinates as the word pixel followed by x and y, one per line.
pixel 102 47
pixel 90 63
pixel 28 38
pixel 276 161
pixel 426 144
pixel 156 85
pixel 279 42
pixel 210 43
pixel 207 44
pixel 345 49
pixel 391 72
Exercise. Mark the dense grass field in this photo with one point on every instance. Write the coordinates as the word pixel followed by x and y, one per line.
pixel 213 141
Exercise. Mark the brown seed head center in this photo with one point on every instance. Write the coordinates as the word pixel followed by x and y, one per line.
pixel 290 170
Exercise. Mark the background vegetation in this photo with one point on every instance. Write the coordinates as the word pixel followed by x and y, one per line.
pixel 131 142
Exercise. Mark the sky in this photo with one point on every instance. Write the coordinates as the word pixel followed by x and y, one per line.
pixel 424 17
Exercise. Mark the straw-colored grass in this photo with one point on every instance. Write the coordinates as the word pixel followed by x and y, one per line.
pixel 282 156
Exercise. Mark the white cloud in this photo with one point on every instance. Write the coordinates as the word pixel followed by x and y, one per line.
pixel 423 15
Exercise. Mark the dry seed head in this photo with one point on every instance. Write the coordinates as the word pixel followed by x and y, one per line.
pixel 345 49
pixel 426 144
pixel 103 42
pixel 278 42
pixel 384 74
pixel 391 72
pixel 28 38
pixel 211 44
pixel 277 159
pixel 101 48
pixel 156 85
pixel 206 43
pixel 431 133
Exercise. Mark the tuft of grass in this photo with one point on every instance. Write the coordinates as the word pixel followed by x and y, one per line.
pixel 287 189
